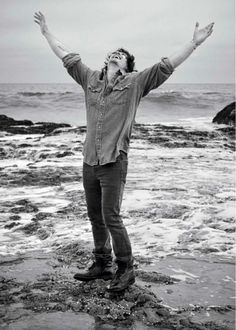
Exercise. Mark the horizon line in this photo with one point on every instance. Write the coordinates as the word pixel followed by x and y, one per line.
pixel 74 83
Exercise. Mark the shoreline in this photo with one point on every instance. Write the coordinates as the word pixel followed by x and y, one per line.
pixel 39 285
pixel 181 227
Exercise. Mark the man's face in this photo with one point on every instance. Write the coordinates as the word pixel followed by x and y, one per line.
pixel 119 58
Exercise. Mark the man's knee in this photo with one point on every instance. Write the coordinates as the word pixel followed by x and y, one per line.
pixel 112 219
pixel 95 217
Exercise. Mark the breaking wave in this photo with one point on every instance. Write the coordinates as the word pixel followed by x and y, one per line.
pixel 42 93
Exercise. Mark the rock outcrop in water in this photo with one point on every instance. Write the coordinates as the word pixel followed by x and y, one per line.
pixel 163 135
pixel 226 116
pixel 11 125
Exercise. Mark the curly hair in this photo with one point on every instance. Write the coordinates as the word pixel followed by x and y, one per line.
pixel 130 61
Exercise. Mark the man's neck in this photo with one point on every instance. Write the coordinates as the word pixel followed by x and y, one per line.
pixel 112 71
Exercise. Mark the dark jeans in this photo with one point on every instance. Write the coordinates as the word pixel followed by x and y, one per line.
pixel 104 186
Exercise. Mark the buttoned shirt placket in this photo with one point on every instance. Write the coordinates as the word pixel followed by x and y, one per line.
pixel 98 135
pixel 102 106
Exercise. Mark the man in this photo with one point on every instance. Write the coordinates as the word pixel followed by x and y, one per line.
pixel 112 97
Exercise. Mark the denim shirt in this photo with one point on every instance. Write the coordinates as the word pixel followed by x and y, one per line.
pixel 110 116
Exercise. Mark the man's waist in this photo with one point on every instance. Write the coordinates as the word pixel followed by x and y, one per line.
pixel 106 159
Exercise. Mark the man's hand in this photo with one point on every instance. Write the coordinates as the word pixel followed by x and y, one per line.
pixel 41 21
pixel 55 44
pixel 198 37
pixel 201 35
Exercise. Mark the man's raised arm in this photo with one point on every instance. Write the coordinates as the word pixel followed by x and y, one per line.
pixel 55 45
pixel 198 37
pixel 72 61
pixel 157 74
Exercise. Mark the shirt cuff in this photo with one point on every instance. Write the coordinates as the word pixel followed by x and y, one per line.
pixel 166 65
pixel 70 59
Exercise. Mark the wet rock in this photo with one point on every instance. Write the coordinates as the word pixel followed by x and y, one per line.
pixel 26 207
pixel 175 136
pixel 44 155
pixel 226 116
pixel 11 225
pixel 52 126
pixel 163 311
pixel 65 130
pixel 14 217
pixel 145 298
pixel 230 230
pixel 43 233
pixel 41 216
pixel 208 250
pixel 74 252
pixel 123 311
pixel 60 307
pixel 27 127
pixel 3 153
pixel 77 149
pixel 154 277
pixel 64 154
pixel 8 121
pixel 24 145
pixel 230 133
pixel 151 316
pixel 30 229
pixel 45 177
pixel 221 309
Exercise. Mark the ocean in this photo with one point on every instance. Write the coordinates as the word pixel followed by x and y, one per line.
pixel 189 104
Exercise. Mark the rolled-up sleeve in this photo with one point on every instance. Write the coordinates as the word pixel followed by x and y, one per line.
pixel 76 69
pixel 154 76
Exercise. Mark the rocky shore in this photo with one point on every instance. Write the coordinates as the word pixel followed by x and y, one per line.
pixel 179 211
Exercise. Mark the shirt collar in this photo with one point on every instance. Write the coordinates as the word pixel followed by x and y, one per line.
pixel 103 75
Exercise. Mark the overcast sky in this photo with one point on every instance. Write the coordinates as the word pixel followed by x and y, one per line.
pixel 150 29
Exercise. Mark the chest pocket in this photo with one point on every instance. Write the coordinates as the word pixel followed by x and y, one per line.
pixel 120 93
pixel 94 94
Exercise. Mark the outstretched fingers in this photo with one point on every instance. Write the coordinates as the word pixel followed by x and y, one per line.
pixel 36 21
pixel 38 17
pixel 196 27
pixel 209 27
pixel 39 14
pixel 209 32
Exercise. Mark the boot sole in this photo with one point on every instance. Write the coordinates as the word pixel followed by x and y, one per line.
pixel 132 281
pixel 86 279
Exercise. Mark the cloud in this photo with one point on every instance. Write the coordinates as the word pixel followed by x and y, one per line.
pixel 150 29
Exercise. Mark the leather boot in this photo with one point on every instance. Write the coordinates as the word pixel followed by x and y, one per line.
pixel 123 278
pixel 99 269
